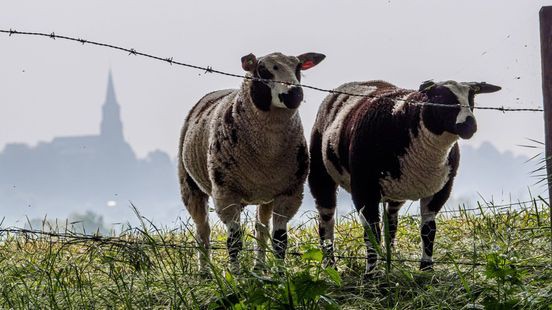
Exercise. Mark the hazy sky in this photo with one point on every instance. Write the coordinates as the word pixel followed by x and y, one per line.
pixel 56 88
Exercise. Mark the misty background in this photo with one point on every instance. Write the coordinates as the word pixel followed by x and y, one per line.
pixel 56 161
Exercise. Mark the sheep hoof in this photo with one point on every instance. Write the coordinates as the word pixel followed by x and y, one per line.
pixel 426 265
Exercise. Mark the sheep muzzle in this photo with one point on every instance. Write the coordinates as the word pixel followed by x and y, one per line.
pixel 467 128
pixel 292 99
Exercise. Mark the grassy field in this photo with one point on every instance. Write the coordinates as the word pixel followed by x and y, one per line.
pixel 492 258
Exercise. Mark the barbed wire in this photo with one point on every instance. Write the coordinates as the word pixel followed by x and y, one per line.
pixel 487 206
pixel 209 69
pixel 131 237
pixel 73 238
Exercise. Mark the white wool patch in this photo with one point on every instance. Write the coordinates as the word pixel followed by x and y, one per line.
pixel 427 214
pixel 399 104
pixel 424 168
pixel 461 92
pixel 331 139
pixel 425 257
pixel 333 132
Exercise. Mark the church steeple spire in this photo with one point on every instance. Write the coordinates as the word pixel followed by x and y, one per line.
pixel 111 127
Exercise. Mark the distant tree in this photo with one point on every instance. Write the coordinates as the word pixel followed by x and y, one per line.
pixel 88 223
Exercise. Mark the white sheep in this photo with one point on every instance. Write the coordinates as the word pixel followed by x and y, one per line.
pixel 246 146
pixel 385 148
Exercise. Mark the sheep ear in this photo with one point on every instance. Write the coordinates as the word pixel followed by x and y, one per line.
pixel 483 88
pixel 426 85
pixel 309 60
pixel 249 62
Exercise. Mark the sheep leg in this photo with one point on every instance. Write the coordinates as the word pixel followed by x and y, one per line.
pixel 229 211
pixel 285 208
pixel 369 215
pixel 392 212
pixel 366 198
pixel 196 203
pixel 200 215
pixel 323 189
pixel 326 232
pixel 264 213
pixel 429 207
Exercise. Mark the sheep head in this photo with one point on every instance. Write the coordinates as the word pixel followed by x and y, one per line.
pixel 457 119
pixel 284 94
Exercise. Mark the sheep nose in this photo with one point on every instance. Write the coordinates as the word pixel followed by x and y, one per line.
pixel 467 128
pixel 293 97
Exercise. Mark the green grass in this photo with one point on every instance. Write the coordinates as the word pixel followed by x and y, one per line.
pixel 493 260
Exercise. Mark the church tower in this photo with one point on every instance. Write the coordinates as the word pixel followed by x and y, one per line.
pixel 111 128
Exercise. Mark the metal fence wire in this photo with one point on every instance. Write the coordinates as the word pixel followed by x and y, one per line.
pixel 140 237
pixel 209 69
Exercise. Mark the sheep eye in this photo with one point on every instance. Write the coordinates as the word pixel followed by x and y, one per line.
pixel 275 68
pixel 298 72
pixel 264 73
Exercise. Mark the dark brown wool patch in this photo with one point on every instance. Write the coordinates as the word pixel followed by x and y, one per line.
pixel 191 183
pixel 346 131
pixel 332 157
pixel 239 107
pixel 234 136
pixel 219 177
pixel 228 163
pixel 210 104
pixel 205 107
pixel 302 161
pixel 338 105
pixel 198 105
pixel 210 109
pixel 302 169
pixel 228 118
pixel 321 232
pixel 330 103
pixel 219 135
pixel 326 217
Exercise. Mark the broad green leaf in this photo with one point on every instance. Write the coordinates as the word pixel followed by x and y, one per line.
pixel 313 254
pixel 334 275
